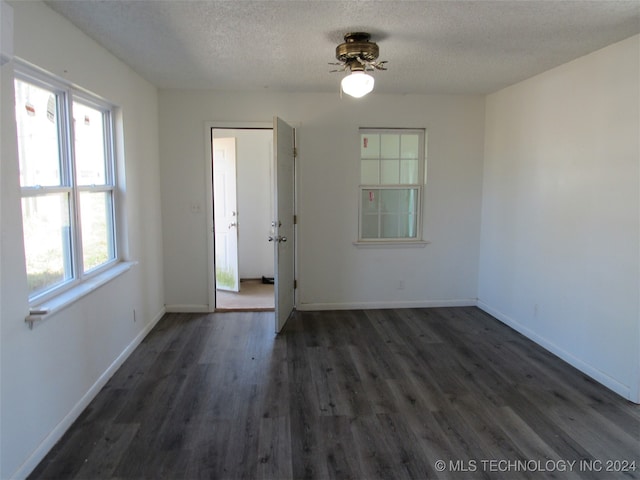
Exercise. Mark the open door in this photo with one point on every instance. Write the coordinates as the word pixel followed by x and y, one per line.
pixel 225 214
pixel 283 225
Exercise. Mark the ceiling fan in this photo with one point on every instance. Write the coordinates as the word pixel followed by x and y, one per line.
pixel 358 55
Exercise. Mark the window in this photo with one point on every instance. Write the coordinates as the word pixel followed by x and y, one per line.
pixel 67 180
pixel 391 173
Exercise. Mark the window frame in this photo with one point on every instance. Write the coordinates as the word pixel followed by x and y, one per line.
pixel 417 240
pixel 110 180
pixel 66 94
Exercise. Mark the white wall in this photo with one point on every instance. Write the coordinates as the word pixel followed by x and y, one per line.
pixel 332 272
pixel 48 374
pixel 558 248
pixel 559 256
pixel 254 158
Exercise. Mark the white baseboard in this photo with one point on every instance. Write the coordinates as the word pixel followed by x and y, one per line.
pixel 466 302
pixel 56 434
pixel 597 375
pixel 187 308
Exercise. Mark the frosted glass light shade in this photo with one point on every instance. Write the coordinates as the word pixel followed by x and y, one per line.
pixel 357 84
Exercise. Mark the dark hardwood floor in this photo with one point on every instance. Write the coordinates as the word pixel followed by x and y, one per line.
pixel 411 393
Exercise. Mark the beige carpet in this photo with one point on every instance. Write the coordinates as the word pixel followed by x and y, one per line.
pixel 253 295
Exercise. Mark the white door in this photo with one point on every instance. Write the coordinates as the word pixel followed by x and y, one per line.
pixel 283 237
pixel 225 214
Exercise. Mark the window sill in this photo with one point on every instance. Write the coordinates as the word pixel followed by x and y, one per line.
pixel 53 305
pixel 392 244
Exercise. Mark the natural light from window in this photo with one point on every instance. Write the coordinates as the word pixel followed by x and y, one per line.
pixel 67 183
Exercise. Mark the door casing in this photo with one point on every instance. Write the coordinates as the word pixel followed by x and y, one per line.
pixel 208 138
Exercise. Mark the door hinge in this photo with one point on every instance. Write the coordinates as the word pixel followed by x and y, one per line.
pixel 295 284
pixel 295 219
pixel 295 151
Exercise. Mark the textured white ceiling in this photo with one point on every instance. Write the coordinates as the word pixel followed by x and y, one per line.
pixel 285 45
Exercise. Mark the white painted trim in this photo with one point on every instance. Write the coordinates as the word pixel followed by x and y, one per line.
pixel 241 125
pixel 208 208
pixel 187 308
pixel 63 300
pixel 56 434
pixel 634 394
pixel 467 302
pixel 598 375
pixel 392 244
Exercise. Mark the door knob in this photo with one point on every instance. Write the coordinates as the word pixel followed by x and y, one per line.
pixel 277 239
pixel 233 224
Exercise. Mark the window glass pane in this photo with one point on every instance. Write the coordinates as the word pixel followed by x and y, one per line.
pixel 409 148
pixel 88 124
pixel 97 229
pixel 66 175
pixel 408 171
pixel 38 138
pixel 370 172
pixel 390 172
pixel 399 200
pixel 389 226
pixel 412 226
pixel 389 145
pixel 389 213
pixel 398 226
pixel 369 145
pixel 392 201
pixel 47 240
pixel 407 226
pixel 412 200
pixel 370 226
pixel 370 201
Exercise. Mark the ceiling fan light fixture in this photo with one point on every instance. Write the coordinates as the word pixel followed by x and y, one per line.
pixel 357 84
pixel 357 55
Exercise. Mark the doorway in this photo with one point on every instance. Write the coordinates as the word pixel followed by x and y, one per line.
pixel 282 227
pixel 243 192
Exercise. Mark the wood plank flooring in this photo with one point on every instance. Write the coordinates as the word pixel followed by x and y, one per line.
pixel 347 394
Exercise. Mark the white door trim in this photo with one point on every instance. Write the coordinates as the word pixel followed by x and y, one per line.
pixel 208 179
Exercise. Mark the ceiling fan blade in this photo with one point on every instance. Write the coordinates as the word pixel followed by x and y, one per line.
pixel 341 64
pixel 358 55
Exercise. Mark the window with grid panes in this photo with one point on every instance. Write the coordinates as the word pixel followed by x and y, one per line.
pixel 67 180
pixel 391 173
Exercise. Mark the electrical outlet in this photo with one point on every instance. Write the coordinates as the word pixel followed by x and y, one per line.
pixel 401 285
pixel 134 315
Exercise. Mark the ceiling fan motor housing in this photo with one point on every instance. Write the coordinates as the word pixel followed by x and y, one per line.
pixel 357 46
